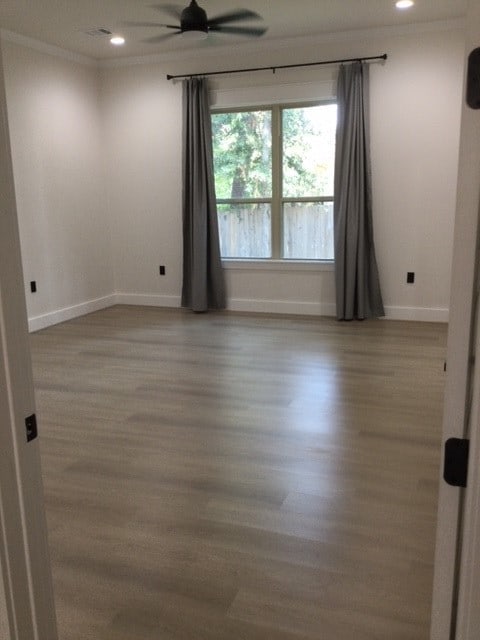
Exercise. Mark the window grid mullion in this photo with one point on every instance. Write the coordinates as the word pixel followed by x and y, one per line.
pixel 276 183
pixel 308 199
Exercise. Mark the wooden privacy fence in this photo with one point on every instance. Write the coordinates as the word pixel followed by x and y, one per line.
pixel 307 230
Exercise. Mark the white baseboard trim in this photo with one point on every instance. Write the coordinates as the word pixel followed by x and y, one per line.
pixel 417 314
pixel 282 306
pixel 287 307
pixel 68 313
pixel 148 300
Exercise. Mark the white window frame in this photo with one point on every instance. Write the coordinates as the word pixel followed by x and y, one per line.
pixel 277 200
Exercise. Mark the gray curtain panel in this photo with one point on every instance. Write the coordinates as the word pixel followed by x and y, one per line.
pixel 356 274
pixel 203 278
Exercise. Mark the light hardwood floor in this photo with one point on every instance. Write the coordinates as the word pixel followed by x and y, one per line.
pixel 240 477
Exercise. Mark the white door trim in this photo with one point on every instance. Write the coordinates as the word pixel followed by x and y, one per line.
pixel 4 624
pixel 468 622
pixel 459 346
pixel 24 558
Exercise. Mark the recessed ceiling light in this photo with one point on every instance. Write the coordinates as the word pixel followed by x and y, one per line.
pixel 404 4
pixel 117 40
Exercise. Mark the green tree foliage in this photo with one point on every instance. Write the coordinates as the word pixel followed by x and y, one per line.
pixel 297 130
pixel 308 150
pixel 242 150
pixel 242 145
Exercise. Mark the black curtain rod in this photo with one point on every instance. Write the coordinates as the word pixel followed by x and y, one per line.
pixel 283 66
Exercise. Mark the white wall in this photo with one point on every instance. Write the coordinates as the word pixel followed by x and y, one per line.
pixel 56 138
pixel 142 124
pixel 416 108
pixel 416 100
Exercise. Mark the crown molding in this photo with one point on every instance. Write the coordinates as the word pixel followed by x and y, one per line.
pixel 275 44
pixel 43 47
pixel 279 44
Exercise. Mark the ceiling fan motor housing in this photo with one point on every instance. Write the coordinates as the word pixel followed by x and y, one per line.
pixel 194 18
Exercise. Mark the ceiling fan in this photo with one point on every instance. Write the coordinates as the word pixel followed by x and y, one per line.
pixel 194 23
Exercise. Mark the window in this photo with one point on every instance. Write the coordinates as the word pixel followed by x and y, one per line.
pixel 274 172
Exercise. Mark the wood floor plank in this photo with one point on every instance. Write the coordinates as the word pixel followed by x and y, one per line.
pixel 221 476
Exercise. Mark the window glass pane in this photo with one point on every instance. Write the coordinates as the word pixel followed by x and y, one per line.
pixel 245 230
pixel 242 151
pixel 308 230
pixel 309 150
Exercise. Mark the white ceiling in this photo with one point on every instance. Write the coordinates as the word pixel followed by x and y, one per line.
pixel 64 22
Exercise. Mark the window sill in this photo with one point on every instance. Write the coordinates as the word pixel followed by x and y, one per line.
pixel 278 265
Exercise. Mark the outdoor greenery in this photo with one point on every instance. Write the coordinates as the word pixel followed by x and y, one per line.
pixel 243 147
pixel 308 136
pixel 242 150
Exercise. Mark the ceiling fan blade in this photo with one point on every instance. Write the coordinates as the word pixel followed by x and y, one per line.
pixel 150 24
pixel 161 37
pixel 241 31
pixel 234 16
pixel 173 10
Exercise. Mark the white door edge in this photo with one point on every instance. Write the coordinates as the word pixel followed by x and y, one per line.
pixel 4 607
pixel 25 565
pixel 459 348
pixel 468 623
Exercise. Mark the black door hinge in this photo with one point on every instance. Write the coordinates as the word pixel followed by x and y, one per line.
pixel 455 468
pixel 31 425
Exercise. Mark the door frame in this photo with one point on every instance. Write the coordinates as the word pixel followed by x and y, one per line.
pixel 468 619
pixel 25 573
pixel 449 567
